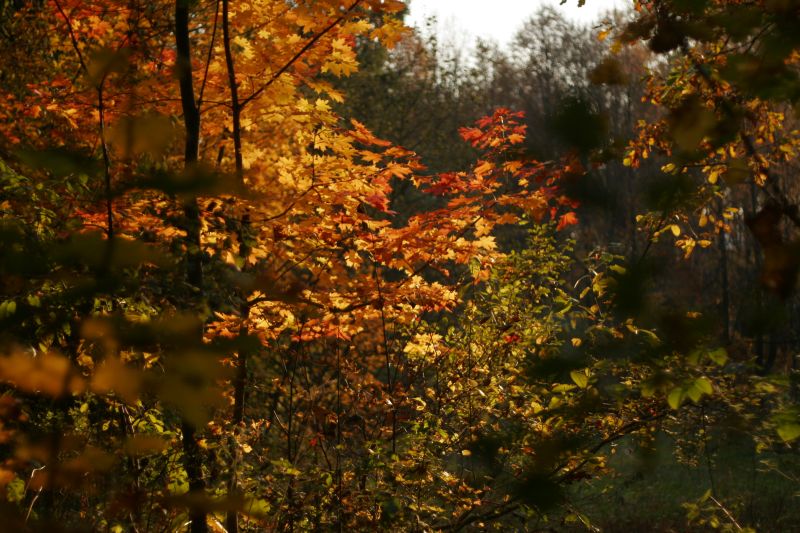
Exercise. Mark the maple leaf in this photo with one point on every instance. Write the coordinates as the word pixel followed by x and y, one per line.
pixel 342 60
pixel 379 202
pixel 567 219
pixel 447 183
pixel 363 135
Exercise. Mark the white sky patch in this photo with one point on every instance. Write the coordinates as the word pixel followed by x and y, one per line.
pixel 498 20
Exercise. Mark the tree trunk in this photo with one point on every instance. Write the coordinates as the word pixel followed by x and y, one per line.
pixel 192 457
pixel 240 379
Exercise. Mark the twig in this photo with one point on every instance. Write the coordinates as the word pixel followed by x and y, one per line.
pixel 727 513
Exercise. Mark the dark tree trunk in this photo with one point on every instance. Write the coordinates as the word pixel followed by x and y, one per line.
pixel 192 456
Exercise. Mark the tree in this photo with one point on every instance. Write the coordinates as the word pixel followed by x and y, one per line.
pixel 729 135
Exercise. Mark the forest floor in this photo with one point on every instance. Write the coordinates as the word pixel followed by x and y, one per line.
pixel 653 491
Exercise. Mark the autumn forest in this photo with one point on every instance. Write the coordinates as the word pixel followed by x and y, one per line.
pixel 273 265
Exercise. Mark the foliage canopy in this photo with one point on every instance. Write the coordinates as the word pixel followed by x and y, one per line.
pixel 227 304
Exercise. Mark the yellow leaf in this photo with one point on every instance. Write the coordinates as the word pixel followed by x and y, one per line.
pixel 580 378
pixel 322 105
pixel 484 168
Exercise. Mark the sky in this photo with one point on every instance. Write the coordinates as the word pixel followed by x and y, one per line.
pixel 498 19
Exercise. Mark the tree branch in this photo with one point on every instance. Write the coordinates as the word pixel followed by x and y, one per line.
pixel 300 53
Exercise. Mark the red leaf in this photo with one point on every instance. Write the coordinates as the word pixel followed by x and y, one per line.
pixel 567 219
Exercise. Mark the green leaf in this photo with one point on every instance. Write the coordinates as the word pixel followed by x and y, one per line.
pixel 704 385
pixel 580 378
pixel 789 431
pixel 256 507
pixel 15 491
pixel 694 393
pixel 619 269
pixel 698 388
pixel 8 308
pixel 719 356
pixel 676 397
